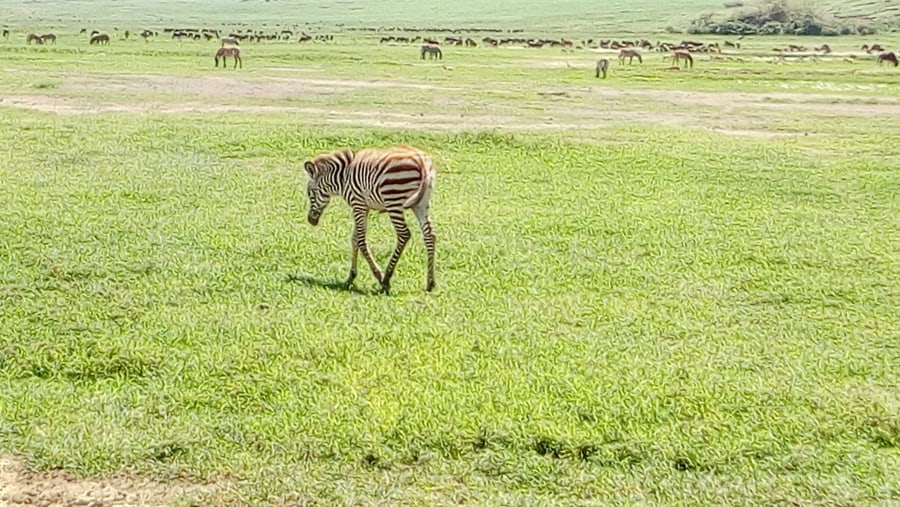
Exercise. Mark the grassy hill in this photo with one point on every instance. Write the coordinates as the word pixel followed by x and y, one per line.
pixel 576 16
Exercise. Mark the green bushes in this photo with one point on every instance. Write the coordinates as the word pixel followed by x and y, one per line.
pixel 776 17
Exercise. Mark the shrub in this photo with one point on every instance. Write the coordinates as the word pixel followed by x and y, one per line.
pixel 774 17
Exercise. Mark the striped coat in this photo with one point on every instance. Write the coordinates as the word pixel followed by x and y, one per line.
pixel 390 180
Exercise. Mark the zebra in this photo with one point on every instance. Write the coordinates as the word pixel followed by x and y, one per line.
pixel 225 52
pixel 631 54
pixel 683 55
pixel 602 66
pixel 100 38
pixel 887 57
pixel 389 180
pixel 433 51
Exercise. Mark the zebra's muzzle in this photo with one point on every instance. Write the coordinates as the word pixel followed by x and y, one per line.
pixel 313 218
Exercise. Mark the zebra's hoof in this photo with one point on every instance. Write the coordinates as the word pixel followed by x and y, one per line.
pixel 429 287
pixel 386 288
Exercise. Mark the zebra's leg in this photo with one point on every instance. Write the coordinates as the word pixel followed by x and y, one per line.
pixel 360 221
pixel 421 212
pixel 402 230
pixel 354 255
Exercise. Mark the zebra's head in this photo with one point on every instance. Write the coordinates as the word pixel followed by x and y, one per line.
pixel 318 198
pixel 325 179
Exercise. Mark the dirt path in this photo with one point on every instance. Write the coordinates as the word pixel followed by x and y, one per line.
pixel 20 488
pixel 582 107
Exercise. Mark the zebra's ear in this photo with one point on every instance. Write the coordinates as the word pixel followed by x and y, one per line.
pixel 311 169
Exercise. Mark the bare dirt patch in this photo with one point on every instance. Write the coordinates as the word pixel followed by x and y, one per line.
pixel 811 102
pixel 20 488
pixel 231 87
pixel 762 134
pixel 451 109
pixel 373 118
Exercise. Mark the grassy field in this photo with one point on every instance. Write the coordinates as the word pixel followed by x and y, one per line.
pixel 663 288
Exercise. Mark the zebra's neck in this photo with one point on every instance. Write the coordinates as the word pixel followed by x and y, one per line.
pixel 335 180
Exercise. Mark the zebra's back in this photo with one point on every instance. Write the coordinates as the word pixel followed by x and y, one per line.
pixel 388 178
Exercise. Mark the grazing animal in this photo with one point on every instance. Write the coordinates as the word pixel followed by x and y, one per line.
pixel 100 38
pixel 390 180
pixel 872 49
pixel 683 55
pixel 232 51
pixel 5 33
pixel 631 54
pixel 887 57
pixel 48 37
pixel 33 37
pixel 432 51
pixel 230 40
pixel 602 67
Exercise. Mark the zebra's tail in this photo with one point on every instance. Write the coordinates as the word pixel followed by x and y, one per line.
pixel 424 192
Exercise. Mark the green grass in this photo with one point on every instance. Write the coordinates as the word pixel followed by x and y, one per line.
pixel 623 324
pixel 634 306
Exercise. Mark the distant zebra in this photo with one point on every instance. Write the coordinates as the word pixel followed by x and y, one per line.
pixel 602 67
pixel 631 54
pixel 887 57
pixel 100 38
pixel 432 51
pixel 391 180
pixel 232 51
pixel 33 37
pixel 683 55
pixel 5 33
pixel 230 40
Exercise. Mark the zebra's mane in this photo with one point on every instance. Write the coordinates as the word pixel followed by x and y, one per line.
pixel 327 162
pixel 345 154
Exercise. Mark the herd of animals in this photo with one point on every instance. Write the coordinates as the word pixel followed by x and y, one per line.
pixel 683 52
pixel 430 47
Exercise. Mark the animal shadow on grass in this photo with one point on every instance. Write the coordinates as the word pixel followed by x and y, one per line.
pixel 312 281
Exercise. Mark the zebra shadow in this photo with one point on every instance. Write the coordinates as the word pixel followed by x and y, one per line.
pixel 311 281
